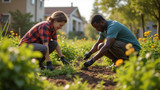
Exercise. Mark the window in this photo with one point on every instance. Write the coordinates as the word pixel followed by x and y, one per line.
pixel 148 28
pixel 6 1
pixel 5 17
pixel 41 3
pixel 33 2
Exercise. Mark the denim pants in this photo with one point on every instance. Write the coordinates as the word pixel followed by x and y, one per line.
pixel 117 51
pixel 43 49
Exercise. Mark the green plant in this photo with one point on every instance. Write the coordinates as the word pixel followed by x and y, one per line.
pixel 99 86
pixel 65 70
pixel 21 21
pixel 4 30
pixel 76 34
pixel 107 77
pixel 136 74
pixel 78 85
pixel 17 68
pixel 91 32
pixel 67 50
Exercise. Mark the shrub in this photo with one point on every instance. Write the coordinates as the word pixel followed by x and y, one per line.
pixel 138 75
pixel 17 70
pixel 21 21
pixel 76 34
pixel 91 33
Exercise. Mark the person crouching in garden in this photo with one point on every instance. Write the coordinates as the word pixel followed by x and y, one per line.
pixel 43 37
pixel 117 36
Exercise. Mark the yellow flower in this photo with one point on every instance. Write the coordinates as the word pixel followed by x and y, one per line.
pixel 144 39
pixel 119 62
pixel 155 34
pixel 152 46
pixel 11 31
pixel 146 33
pixel 139 39
pixel 131 50
pixel 127 53
pixel 58 40
pixel 62 33
pixel 128 46
pixel 58 35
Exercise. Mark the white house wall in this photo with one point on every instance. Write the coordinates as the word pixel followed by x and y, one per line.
pixel 77 21
pixel 30 8
pixel 75 16
pixel 68 25
pixel 40 11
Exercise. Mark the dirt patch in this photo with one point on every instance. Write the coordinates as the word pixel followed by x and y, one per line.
pixel 90 75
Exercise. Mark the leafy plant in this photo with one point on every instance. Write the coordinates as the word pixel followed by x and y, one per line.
pixel 138 75
pixel 65 70
pixel 16 68
pixel 4 30
pixel 78 85
pixel 76 34
pixel 21 21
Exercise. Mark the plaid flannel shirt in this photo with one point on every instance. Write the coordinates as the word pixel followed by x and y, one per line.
pixel 40 33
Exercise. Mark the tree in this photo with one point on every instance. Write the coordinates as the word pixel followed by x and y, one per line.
pixel 150 7
pixel 21 21
pixel 91 32
pixel 121 11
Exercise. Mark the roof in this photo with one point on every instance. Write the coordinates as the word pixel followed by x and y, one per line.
pixel 67 10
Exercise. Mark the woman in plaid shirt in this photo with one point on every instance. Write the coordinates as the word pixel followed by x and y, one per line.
pixel 44 38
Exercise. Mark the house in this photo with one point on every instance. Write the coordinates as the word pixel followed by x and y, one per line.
pixel 35 7
pixel 75 22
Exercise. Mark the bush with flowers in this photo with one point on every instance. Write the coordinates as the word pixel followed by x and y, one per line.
pixel 150 44
pixel 143 72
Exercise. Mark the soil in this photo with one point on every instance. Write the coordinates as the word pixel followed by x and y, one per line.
pixel 89 75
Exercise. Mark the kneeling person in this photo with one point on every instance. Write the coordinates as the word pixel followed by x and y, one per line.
pixel 43 36
pixel 116 35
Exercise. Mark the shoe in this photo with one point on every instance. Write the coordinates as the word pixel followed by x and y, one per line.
pixel 49 65
pixel 110 67
pixel 41 66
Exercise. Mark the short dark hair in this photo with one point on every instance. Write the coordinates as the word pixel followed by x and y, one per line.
pixel 97 18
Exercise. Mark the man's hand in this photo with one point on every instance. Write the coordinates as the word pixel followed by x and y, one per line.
pixel 86 56
pixel 64 60
pixel 89 63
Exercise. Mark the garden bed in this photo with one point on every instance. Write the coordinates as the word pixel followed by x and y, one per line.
pixel 91 76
